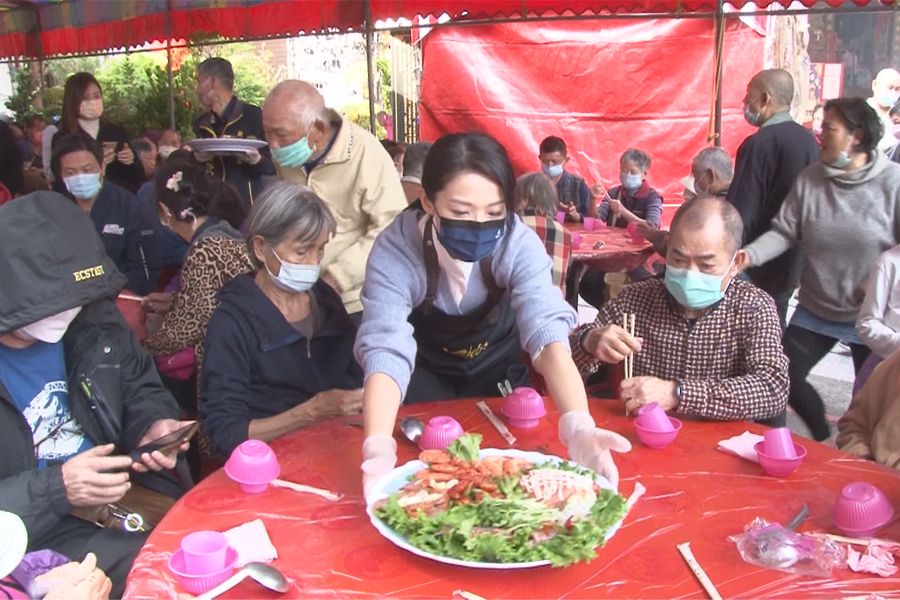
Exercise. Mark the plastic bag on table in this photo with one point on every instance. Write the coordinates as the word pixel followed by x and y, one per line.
pixel 773 546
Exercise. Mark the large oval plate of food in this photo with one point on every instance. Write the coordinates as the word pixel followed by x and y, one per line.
pixel 495 508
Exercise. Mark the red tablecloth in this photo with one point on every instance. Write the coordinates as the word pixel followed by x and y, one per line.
pixel 618 254
pixel 694 493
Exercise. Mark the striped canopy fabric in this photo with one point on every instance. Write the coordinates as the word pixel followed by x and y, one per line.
pixel 36 28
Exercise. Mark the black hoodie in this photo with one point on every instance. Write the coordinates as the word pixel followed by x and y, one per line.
pixel 257 365
pixel 52 260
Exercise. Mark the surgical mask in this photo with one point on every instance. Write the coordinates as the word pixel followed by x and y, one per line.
pixel 50 329
pixel 470 241
pixel 552 170
pixel 91 110
pixel 294 155
pixel 842 161
pixel 84 186
pixel 896 129
pixel 165 151
pixel 887 98
pixel 693 289
pixel 753 118
pixel 293 277
pixel 631 182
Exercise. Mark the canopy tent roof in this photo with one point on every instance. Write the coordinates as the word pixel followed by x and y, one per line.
pixel 42 28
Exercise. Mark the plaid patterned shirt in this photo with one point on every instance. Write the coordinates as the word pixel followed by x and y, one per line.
pixel 729 362
pixel 572 189
pixel 558 242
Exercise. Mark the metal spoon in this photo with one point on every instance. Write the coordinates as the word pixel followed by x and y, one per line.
pixel 263 574
pixel 412 428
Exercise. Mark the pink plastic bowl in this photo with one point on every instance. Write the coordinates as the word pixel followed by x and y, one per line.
pixel 779 467
pixel 658 439
pixel 576 240
pixel 200 583
pixel 862 509
pixel 253 465
pixel 439 433
pixel 524 408
pixel 635 234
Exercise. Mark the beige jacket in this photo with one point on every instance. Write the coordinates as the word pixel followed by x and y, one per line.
pixel 871 426
pixel 358 181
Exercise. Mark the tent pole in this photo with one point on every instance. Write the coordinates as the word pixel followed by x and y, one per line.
pixel 370 64
pixel 719 40
pixel 169 78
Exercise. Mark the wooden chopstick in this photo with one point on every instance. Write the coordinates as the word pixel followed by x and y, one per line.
pixel 497 423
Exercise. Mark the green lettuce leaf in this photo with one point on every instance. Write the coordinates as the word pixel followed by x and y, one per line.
pixel 466 447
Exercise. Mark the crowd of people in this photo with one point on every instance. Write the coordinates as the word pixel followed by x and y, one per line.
pixel 328 274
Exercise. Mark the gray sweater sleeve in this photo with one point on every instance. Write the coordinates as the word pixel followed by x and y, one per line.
pixel 784 233
pixel 394 284
pixel 542 314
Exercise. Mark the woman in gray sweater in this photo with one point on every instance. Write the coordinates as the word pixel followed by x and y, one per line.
pixel 842 213
pixel 454 294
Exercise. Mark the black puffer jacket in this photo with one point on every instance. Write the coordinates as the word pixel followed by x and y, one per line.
pixel 53 260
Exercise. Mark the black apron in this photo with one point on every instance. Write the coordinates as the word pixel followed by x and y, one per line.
pixel 463 355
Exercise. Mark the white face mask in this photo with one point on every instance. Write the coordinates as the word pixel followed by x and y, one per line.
pixel 91 110
pixel 50 329
pixel 165 151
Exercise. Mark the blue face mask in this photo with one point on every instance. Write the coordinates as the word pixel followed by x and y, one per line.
pixel 84 186
pixel 294 278
pixel 470 241
pixel 693 289
pixel 631 182
pixel 752 117
pixel 293 155
pixel 887 98
pixel 552 170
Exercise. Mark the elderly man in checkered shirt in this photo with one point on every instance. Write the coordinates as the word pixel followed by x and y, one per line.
pixel 705 344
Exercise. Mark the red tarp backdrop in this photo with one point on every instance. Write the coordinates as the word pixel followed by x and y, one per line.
pixel 602 86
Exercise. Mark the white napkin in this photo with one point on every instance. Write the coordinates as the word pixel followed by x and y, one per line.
pixel 252 543
pixel 741 445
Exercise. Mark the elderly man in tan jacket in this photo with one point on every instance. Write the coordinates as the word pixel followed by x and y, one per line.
pixel 346 166
pixel 871 426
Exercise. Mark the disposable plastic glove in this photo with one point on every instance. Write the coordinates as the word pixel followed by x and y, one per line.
pixel 379 458
pixel 590 446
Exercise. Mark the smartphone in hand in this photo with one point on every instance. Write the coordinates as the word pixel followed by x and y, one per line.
pixel 167 442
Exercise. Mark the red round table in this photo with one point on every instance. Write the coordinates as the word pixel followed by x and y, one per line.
pixel 694 494
pixel 616 252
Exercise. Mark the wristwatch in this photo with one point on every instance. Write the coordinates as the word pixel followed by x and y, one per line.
pixel 677 392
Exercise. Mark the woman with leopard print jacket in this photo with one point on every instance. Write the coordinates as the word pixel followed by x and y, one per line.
pixel 206 214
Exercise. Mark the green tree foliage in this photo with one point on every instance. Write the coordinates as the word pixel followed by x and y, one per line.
pixel 20 102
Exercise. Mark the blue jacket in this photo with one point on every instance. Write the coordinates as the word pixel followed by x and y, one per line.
pixel 128 235
pixel 257 365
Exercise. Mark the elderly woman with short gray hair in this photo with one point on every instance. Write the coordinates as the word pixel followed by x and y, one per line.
pixel 279 347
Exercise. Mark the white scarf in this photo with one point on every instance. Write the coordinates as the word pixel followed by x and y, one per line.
pixel 91 127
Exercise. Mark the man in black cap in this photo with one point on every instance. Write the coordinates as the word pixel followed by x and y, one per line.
pixel 77 391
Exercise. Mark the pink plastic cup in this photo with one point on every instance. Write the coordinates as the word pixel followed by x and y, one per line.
pixel 658 439
pixel 576 240
pixel 204 552
pixel 862 509
pixel 561 217
pixel 779 466
pixel 253 465
pixel 652 417
pixel 439 433
pixel 199 584
pixel 524 408
pixel 779 443
pixel 590 223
